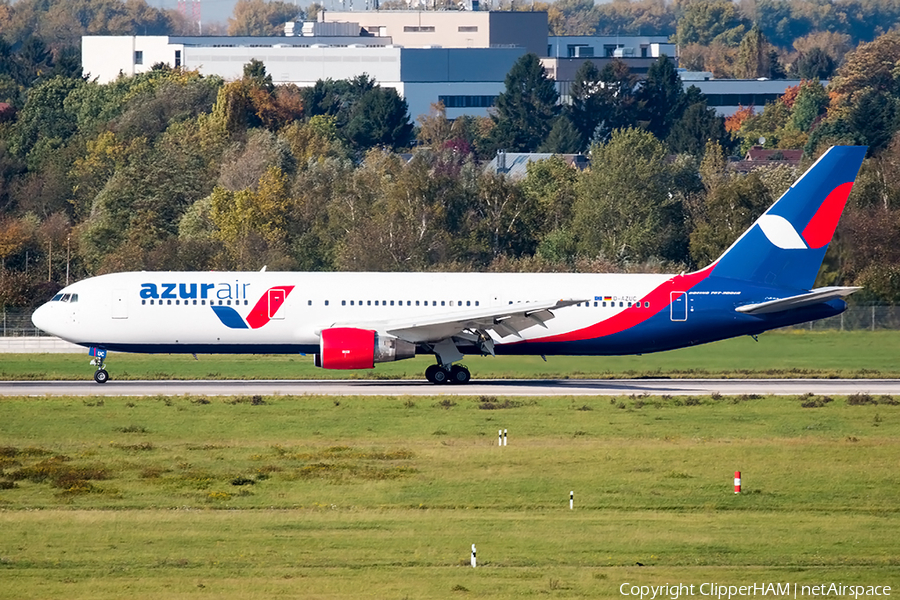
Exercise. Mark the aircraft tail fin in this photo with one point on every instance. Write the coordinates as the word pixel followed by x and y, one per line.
pixel 786 245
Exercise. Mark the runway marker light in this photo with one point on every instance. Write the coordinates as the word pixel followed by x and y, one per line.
pixel 737 482
pixel 571 499
pixel 473 556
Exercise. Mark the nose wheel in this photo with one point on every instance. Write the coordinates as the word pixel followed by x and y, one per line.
pixel 101 376
pixel 439 375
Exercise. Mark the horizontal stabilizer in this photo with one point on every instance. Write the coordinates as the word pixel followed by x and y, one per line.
pixel 816 296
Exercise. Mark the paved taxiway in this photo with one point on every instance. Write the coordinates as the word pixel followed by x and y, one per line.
pixel 492 387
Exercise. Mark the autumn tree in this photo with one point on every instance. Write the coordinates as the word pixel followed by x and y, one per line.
pixel 260 17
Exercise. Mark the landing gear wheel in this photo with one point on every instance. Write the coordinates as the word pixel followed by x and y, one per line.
pixel 459 374
pixel 101 376
pixel 440 376
pixel 430 371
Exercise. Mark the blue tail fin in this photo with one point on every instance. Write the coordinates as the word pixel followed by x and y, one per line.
pixel 786 245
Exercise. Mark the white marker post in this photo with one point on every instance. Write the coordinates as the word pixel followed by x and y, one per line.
pixel 504 437
pixel 473 556
pixel 572 500
pixel 499 437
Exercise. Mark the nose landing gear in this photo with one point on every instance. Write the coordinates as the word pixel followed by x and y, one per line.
pixel 101 375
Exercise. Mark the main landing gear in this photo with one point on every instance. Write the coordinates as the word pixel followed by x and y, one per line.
pixel 452 374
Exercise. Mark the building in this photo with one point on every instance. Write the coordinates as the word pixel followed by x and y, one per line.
pixel 726 95
pixel 452 29
pixel 515 164
pixel 467 80
pixel 610 46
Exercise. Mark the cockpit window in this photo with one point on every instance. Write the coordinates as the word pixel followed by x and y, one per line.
pixel 56 298
pixel 74 298
pixel 66 297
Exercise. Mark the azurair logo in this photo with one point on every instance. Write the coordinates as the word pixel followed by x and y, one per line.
pixel 262 312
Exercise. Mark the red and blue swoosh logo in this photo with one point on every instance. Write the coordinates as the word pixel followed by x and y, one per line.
pixel 262 312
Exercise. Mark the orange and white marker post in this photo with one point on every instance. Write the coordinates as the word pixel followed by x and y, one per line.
pixel 737 482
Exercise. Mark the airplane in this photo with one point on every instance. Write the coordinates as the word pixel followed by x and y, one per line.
pixel 764 280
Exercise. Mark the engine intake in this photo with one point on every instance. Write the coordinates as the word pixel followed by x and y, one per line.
pixel 352 348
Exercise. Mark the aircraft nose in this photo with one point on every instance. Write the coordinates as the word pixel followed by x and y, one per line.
pixel 42 318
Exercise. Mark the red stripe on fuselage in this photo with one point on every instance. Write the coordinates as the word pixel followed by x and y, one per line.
pixel 262 312
pixel 820 229
pixel 659 298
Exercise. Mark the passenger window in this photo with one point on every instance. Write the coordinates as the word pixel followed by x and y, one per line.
pixel 143 302
pixel 434 302
pixel 409 302
pixel 621 304
pixel 417 302
pixel 169 302
pixel 468 303
pixel 646 305
pixel 309 302
pixel 202 302
pixel 443 303
pixel 476 303
pixel 326 303
pixel 629 305
pixel 392 302
pixel 195 303
pixel 369 303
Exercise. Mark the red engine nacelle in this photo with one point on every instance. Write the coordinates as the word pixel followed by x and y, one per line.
pixel 352 348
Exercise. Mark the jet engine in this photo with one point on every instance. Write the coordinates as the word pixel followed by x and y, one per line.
pixel 352 348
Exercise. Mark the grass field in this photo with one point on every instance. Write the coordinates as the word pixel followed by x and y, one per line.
pixel 315 497
pixel 794 353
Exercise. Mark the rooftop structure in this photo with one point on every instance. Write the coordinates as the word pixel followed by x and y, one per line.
pixel 452 29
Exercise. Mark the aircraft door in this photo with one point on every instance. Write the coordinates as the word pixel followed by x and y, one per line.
pixel 119 304
pixel 276 299
pixel 678 307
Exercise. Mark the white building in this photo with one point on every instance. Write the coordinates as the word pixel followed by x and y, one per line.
pixel 466 79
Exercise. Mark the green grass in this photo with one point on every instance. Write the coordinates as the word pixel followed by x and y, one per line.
pixel 352 497
pixel 795 353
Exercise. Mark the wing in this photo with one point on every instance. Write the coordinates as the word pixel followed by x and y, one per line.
pixel 816 296
pixel 473 325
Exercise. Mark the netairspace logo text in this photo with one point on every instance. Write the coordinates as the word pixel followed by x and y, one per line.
pixel 721 591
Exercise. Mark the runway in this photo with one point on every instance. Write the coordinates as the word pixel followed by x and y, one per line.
pixel 489 387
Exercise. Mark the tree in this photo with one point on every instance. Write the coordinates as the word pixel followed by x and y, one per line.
pixel 619 84
pixel 589 103
pixel 628 206
pixel 563 137
pixel 815 64
pixel 526 109
pixel 380 118
pixel 695 128
pixel 259 17
pixel 753 60
pixel 705 21
pixel 661 97
pixel 811 103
